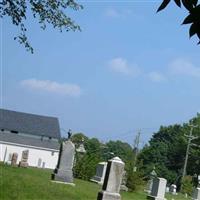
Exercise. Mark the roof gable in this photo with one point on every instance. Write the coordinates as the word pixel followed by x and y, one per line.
pixel 29 123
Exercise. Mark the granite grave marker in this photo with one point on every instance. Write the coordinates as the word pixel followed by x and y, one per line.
pixel 63 172
pixel 158 189
pixel 112 180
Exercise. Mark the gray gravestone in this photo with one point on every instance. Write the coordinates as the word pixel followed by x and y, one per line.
pixel 124 181
pixel 100 173
pixel 158 189
pixel 24 160
pixel 149 186
pixel 152 175
pixel 196 194
pixel 63 171
pixel 172 189
pixel 81 148
pixel 43 165
pixel 112 181
pixel 39 162
pixel 14 159
pixel 9 158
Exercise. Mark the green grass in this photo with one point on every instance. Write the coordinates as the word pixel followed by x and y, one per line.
pixel 28 184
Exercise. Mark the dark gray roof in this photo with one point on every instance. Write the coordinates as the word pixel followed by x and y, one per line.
pixel 29 123
pixel 30 141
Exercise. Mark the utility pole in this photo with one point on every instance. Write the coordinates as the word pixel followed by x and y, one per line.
pixel 190 138
pixel 136 149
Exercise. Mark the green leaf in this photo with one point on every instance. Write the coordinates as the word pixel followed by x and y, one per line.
pixel 163 5
pixel 178 3
pixel 198 34
pixel 193 30
pixel 188 20
pixel 188 4
pixel 195 2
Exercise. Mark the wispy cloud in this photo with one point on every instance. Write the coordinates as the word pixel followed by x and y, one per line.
pixel 184 67
pixel 179 67
pixel 121 65
pixel 52 87
pixel 156 76
pixel 114 13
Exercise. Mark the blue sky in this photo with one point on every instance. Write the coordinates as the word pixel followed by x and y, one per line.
pixel 128 69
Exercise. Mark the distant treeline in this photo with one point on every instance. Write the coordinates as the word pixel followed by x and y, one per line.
pixel 165 151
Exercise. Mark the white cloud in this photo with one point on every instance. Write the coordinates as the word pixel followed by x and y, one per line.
pixel 52 87
pixel 184 67
pixel 156 76
pixel 113 13
pixel 121 65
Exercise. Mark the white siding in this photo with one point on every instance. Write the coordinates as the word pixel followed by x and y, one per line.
pixel 47 156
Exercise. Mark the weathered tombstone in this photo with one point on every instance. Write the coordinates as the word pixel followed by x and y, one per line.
pixel 43 165
pixel 152 175
pixel 158 189
pixel 9 158
pixel 81 148
pixel 167 189
pixel 124 181
pixel 39 162
pixel 14 159
pixel 196 193
pixel 63 172
pixel 172 189
pixel 24 160
pixel 100 173
pixel 112 181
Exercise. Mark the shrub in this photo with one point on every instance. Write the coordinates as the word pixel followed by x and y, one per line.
pixel 187 185
pixel 134 181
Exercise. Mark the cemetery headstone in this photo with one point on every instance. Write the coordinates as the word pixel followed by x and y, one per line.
pixel 81 148
pixel 158 189
pixel 124 181
pixel 172 189
pixel 9 158
pixel 63 172
pixel 39 162
pixel 196 193
pixel 43 165
pixel 100 173
pixel 14 159
pixel 152 175
pixel 112 180
pixel 24 160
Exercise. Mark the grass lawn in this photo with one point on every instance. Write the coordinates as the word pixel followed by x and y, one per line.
pixel 26 184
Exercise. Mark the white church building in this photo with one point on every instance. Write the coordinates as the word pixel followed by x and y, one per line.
pixel 38 134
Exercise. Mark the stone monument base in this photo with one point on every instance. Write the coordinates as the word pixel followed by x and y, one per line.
pixel 23 164
pixel 60 175
pixel 196 195
pixel 97 179
pixel 124 188
pixel 104 195
pixel 155 198
pixel 72 184
pixel 147 191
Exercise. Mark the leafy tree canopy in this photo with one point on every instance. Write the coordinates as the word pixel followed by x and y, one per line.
pixel 193 7
pixel 166 151
pixel 45 11
pixel 97 152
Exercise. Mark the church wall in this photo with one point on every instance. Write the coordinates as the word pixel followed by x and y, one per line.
pixel 38 157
